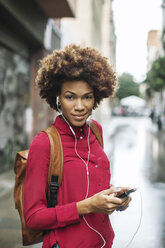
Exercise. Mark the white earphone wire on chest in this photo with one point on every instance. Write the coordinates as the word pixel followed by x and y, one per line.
pixel 87 173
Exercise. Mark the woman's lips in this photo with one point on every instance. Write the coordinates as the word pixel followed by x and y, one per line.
pixel 79 117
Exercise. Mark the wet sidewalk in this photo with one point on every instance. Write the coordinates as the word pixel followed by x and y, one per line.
pixel 9 222
pixel 10 226
pixel 136 150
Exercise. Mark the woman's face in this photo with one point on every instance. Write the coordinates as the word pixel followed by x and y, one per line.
pixel 77 101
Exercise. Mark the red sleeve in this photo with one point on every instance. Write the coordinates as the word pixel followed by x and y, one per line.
pixel 37 215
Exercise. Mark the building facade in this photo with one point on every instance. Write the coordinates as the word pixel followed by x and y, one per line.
pixel 163 24
pixel 28 31
pixel 156 48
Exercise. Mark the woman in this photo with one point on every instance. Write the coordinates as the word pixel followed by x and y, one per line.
pixel 73 81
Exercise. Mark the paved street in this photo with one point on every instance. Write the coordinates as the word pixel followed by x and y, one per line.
pixel 136 151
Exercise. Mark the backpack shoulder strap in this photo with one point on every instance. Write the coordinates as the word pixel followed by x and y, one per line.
pixel 56 154
pixel 95 129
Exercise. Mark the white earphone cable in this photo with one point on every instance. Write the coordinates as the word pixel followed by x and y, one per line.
pixel 95 231
pixel 86 164
pixel 140 220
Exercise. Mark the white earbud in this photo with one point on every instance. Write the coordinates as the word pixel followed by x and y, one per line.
pixel 57 100
pixel 58 104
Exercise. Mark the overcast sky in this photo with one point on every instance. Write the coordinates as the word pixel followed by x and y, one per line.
pixel 133 19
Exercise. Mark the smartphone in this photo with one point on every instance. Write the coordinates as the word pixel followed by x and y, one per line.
pixel 126 193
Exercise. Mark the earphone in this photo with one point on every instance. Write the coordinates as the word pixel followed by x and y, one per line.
pixel 57 100
pixel 58 104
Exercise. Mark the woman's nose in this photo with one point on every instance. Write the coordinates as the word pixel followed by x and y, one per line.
pixel 79 105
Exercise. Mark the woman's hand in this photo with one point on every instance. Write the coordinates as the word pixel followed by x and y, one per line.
pixel 121 190
pixel 104 202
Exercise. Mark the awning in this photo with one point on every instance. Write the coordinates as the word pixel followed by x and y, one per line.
pixel 58 8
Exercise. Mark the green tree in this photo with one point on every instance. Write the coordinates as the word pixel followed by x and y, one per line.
pixel 156 76
pixel 127 86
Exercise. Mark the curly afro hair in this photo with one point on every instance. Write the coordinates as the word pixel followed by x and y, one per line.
pixel 71 64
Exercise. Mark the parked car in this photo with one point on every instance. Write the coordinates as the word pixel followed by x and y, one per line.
pixel 119 111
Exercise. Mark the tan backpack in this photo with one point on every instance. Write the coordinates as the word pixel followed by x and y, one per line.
pixel 30 236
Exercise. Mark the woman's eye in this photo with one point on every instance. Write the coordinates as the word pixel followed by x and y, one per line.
pixel 69 97
pixel 88 97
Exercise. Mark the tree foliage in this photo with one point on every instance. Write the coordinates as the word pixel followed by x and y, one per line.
pixel 156 76
pixel 127 86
